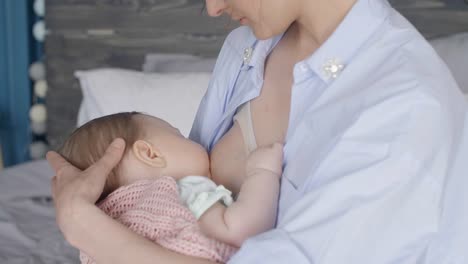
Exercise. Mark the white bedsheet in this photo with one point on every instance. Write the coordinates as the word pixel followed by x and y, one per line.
pixel 28 232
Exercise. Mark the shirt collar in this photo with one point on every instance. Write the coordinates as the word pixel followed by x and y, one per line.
pixel 261 49
pixel 357 27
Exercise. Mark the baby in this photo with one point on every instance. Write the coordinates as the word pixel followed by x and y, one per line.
pixel 162 189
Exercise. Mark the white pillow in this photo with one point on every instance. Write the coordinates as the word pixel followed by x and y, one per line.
pixel 158 62
pixel 173 97
pixel 454 51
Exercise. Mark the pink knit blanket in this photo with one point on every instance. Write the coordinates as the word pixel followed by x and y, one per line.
pixel 152 208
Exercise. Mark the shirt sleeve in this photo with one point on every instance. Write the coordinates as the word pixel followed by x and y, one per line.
pixel 383 209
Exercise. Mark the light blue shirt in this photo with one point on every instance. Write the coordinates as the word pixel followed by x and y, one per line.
pixel 373 159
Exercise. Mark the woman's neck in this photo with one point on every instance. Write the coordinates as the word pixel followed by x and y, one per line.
pixel 317 21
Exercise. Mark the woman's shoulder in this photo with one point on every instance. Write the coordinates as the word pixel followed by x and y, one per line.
pixel 399 60
pixel 413 56
pixel 238 39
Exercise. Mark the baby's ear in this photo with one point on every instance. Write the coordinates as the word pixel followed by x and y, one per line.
pixel 147 153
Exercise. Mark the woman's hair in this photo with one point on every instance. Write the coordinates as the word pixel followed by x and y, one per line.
pixel 88 143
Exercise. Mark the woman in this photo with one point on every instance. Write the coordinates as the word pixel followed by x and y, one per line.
pixel 370 118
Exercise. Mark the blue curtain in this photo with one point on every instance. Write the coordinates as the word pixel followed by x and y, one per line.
pixel 15 85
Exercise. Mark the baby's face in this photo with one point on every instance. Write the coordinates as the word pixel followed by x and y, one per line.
pixel 183 157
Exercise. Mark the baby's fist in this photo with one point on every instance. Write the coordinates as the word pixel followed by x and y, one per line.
pixel 266 158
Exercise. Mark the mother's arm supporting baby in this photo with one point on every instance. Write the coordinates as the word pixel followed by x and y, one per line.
pixel 108 241
pixel 88 228
pixel 254 211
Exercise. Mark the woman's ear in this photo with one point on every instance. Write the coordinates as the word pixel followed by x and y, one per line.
pixel 149 155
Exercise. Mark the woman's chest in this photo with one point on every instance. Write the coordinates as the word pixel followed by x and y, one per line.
pixel 270 110
pixel 269 113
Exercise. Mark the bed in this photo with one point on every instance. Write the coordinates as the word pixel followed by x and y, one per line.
pixel 28 233
pixel 87 34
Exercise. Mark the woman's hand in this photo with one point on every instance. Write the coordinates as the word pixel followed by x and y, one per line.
pixel 88 228
pixel 74 190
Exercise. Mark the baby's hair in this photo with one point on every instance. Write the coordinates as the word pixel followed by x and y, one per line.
pixel 88 143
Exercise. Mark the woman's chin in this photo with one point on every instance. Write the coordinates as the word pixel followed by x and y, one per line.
pixel 263 34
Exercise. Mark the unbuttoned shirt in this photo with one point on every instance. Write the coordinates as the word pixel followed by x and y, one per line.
pixel 374 154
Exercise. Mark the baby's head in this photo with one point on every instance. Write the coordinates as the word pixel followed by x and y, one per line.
pixel 153 148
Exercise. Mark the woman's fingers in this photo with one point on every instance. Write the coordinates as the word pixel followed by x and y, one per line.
pixel 53 187
pixel 53 183
pixel 71 184
pixel 58 163
pixel 110 159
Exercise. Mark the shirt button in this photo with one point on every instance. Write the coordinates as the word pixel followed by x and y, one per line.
pixel 303 67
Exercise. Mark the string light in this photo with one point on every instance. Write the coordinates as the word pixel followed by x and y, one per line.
pixel 37 73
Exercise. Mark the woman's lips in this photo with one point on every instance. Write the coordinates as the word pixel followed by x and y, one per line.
pixel 241 20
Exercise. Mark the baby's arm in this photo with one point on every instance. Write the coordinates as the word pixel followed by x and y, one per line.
pixel 254 211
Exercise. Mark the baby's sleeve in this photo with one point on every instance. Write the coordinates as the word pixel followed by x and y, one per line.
pixel 199 193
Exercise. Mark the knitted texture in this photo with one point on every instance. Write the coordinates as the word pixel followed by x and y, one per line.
pixel 152 208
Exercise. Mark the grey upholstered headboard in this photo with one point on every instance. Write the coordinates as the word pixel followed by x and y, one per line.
pixel 86 34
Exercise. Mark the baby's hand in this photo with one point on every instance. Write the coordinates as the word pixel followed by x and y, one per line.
pixel 268 158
